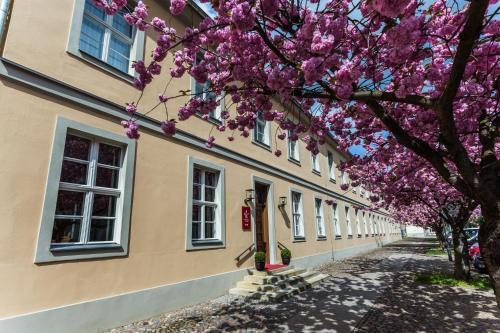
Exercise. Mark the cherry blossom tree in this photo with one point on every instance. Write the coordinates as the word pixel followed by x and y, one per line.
pixel 407 186
pixel 373 72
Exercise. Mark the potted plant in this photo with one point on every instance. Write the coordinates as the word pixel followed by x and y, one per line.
pixel 260 260
pixel 286 255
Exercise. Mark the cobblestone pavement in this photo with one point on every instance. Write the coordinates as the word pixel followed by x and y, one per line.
pixel 371 293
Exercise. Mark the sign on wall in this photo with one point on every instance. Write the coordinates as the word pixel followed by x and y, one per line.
pixel 246 221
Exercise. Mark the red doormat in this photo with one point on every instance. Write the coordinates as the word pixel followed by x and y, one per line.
pixel 270 267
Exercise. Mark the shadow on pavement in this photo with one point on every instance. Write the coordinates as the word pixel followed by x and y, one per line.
pixel 373 293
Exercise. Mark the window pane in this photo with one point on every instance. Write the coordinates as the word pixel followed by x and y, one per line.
pixel 196 216
pixel 107 177
pixel 196 231
pixel 295 202
pixel 77 147
pixel 209 213
pixel 66 231
pixel 199 89
pixel 121 25
pixel 104 205
pixel 70 203
pixel 91 38
pixel 209 230
pixel 91 9
pixel 197 192
pixel 73 172
pixel 101 230
pixel 210 178
pixel 293 149
pixel 209 194
pixel 109 155
pixel 119 54
pixel 196 176
pixel 296 224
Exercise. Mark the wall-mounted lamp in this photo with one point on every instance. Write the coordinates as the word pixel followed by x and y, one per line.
pixel 282 202
pixel 249 195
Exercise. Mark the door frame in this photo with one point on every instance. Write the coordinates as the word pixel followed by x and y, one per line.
pixel 270 216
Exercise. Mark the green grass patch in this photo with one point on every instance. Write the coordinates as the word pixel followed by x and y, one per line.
pixel 478 282
pixel 435 251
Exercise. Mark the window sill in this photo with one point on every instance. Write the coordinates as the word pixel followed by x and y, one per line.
pixel 262 145
pixel 359 236
pixel 210 120
pixel 316 172
pixel 349 236
pixel 321 238
pixel 87 247
pixel 294 161
pixel 299 239
pixel 103 66
pixel 338 237
pixel 333 180
pixel 205 245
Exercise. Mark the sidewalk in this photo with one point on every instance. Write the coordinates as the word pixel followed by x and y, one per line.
pixel 374 292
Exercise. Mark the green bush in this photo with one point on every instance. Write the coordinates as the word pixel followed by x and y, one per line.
pixel 286 253
pixel 260 256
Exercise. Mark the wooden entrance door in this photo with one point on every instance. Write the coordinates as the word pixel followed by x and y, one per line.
pixel 261 219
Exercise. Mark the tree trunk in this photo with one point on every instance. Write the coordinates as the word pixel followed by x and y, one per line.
pixel 465 253
pixel 458 248
pixel 438 229
pixel 489 243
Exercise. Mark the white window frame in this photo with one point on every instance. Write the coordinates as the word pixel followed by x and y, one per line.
pixel 319 219
pixel 348 221
pixel 220 229
pixel 315 165
pixel 331 166
pixel 45 252
pixel 358 222
pixel 73 47
pixel 370 219
pixel 293 149
pixel 336 221
pixel 365 224
pixel 266 143
pixel 300 235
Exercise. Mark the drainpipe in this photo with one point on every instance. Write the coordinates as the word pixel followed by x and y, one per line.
pixel 5 7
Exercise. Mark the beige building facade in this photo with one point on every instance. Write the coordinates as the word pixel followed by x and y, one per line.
pixel 99 230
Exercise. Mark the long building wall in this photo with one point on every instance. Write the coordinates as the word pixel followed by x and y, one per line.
pixel 39 89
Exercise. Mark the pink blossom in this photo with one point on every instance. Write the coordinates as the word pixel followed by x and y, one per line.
pixel 168 127
pixel 243 16
pixel 209 143
pixel 131 129
pixel 313 69
pixel 177 6
pixel 131 108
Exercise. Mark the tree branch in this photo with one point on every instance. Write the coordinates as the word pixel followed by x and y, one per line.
pixel 419 147
pixel 444 107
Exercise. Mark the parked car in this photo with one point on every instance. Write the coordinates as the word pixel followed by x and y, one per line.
pixel 472 235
